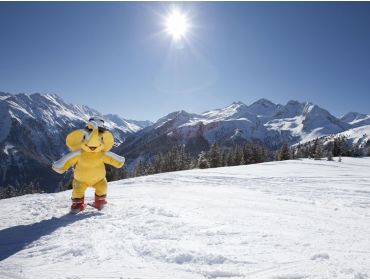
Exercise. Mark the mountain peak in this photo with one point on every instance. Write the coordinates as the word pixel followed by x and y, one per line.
pixel 356 119
pixel 352 116
pixel 237 103
pixel 4 95
pixel 264 102
pixel 178 116
pixel 262 107
pixel 293 103
pixel 236 106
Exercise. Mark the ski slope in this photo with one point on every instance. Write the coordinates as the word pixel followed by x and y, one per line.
pixel 292 219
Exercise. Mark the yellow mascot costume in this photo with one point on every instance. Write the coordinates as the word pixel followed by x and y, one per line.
pixel 89 152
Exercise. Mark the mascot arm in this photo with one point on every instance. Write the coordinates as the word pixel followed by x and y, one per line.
pixel 68 160
pixel 114 159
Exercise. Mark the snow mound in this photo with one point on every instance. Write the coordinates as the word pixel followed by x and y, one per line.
pixel 269 220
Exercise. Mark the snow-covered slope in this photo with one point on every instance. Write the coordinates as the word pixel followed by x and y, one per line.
pixel 358 136
pixel 55 113
pixel 357 140
pixel 292 219
pixel 305 121
pixel 4 95
pixel 356 119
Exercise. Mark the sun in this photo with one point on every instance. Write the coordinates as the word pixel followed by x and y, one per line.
pixel 176 24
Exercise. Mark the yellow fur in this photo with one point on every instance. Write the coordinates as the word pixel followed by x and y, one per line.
pixel 89 154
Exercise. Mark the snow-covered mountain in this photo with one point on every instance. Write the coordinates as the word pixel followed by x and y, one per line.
pixel 356 119
pixel 357 137
pixel 33 129
pixel 262 121
pixel 32 134
pixel 291 219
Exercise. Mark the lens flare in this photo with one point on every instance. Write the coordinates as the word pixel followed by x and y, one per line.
pixel 176 25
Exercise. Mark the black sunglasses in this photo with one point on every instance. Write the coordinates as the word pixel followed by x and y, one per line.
pixel 100 129
pixel 93 119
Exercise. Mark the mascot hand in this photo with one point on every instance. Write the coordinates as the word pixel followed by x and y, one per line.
pixel 56 169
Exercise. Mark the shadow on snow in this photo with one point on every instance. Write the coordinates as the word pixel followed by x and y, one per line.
pixel 15 239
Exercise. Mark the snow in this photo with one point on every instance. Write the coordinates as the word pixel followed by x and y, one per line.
pixel 356 119
pixel 229 112
pixel 8 148
pixel 291 219
pixel 53 118
pixel 295 125
pixel 56 113
pixel 18 109
pixel 358 135
pixel 294 122
pixel 4 95
pixel 124 125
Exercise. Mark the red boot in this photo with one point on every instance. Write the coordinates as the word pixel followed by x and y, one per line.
pixel 78 205
pixel 100 201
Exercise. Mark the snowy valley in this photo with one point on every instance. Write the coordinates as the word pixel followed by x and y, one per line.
pixel 289 219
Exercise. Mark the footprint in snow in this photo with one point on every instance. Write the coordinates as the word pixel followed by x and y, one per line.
pixel 321 256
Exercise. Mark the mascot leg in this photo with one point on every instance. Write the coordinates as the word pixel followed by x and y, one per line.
pixel 100 194
pixel 78 194
pixel 79 189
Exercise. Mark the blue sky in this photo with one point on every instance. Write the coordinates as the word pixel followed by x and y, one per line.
pixel 116 58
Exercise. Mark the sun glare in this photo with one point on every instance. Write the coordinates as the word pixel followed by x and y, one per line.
pixel 176 25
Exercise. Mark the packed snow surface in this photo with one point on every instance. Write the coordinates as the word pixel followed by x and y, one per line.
pixel 292 219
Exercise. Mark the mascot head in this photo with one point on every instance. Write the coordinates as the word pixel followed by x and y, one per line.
pixel 93 139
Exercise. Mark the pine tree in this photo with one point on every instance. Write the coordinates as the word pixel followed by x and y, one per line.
pixel 242 160
pixel 330 156
pixel 340 146
pixel 313 149
pixel 230 158
pixel 336 149
pixel 203 161
pixel 298 151
pixel 318 150
pixel 356 151
pixel 152 167
pixel 215 155
pixel 184 159
pixel 248 154
pixel 139 169
pixel 284 152
pixel 224 158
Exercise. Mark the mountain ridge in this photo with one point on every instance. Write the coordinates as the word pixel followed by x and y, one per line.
pixel 33 129
pixel 262 121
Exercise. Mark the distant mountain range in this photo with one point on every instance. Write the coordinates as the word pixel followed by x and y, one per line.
pixel 263 121
pixel 33 129
pixel 32 134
